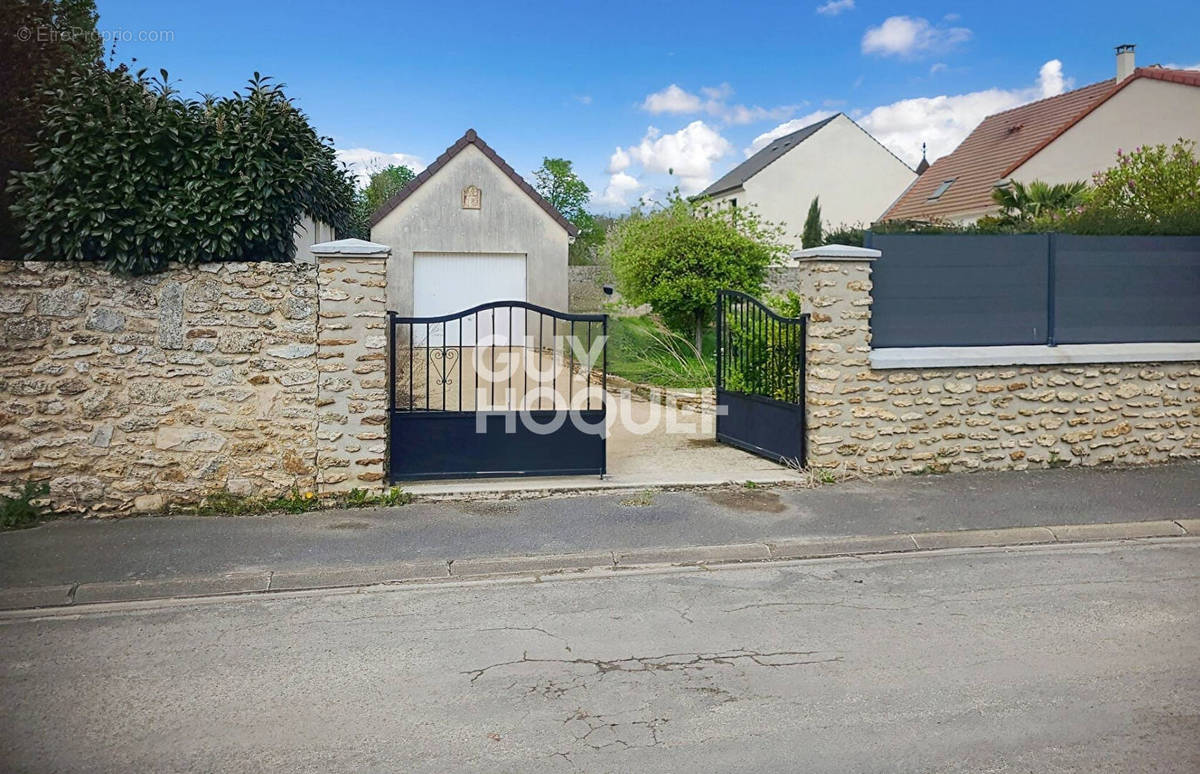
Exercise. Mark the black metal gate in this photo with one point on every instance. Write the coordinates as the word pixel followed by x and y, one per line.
pixel 760 379
pixel 502 389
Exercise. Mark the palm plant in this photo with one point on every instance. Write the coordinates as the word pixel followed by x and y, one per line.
pixel 1021 203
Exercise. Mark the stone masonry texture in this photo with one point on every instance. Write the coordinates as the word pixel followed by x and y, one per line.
pixel 352 363
pixel 952 419
pixel 131 393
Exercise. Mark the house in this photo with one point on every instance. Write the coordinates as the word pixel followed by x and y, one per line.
pixel 855 177
pixel 1057 140
pixel 469 230
pixel 309 232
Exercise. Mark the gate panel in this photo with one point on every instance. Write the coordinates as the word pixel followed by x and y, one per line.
pixel 502 389
pixel 760 379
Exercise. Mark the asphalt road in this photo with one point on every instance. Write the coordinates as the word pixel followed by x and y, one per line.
pixel 1046 659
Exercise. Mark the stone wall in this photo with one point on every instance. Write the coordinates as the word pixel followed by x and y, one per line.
pixel 585 289
pixel 949 419
pixel 782 277
pixel 134 392
pixel 352 360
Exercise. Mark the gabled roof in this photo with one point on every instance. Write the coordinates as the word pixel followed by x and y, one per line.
pixel 759 161
pixel 1003 142
pixel 471 138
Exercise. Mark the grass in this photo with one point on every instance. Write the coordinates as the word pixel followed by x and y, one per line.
pixel 643 350
pixel 639 500
pixel 224 503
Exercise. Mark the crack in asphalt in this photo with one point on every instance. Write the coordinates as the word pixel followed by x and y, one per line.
pixel 669 662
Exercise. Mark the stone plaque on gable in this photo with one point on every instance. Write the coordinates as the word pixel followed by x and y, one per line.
pixel 471 197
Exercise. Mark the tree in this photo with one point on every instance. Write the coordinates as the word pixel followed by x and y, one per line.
pixel 1021 203
pixel 135 176
pixel 676 259
pixel 384 183
pixel 59 36
pixel 812 224
pixel 558 184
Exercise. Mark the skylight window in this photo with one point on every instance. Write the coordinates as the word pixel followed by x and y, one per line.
pixel 941 189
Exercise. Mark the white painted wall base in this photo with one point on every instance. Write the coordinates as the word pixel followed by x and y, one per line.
pixel 1065 354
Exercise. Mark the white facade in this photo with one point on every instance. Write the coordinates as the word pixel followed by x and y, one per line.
pixel 308 233
pixel 1145 112
pixel 439 229
pixel 855 177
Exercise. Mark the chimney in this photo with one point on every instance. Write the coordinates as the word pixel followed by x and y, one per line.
pixel 1124 61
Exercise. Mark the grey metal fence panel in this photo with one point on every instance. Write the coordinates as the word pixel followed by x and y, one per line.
pixel 1112 289
pixel 941 290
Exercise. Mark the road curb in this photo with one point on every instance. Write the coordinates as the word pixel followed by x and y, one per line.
pixel 267 582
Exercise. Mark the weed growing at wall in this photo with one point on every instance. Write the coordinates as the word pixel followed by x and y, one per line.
pixel 22 509
pixel 225 503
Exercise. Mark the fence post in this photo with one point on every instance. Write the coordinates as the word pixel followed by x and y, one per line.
pixel 352 379
pixel 835 283
pixel 1051 245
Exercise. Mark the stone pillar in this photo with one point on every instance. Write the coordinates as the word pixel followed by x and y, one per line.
pixel 835 282
pixel 352 356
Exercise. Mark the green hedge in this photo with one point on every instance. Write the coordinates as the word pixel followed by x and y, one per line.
pixel 128 173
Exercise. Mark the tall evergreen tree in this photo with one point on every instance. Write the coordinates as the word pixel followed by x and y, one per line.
pixel 812 224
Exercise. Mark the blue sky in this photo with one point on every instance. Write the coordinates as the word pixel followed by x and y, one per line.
pixel 592 82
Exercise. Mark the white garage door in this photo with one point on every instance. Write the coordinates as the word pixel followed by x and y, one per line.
pixel 445 283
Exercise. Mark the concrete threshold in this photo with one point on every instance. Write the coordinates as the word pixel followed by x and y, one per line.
pixel 514 488
pixel 78 596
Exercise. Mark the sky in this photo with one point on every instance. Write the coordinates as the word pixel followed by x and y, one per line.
pixel 644 96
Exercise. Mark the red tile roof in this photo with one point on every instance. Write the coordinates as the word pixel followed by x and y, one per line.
pixel 1003 142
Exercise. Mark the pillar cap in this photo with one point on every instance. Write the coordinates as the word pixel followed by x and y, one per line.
pixel 836 253
pixel 350 248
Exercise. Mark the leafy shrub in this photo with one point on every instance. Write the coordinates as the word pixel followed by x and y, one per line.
pixel 20 510
pixel 846 235
pixel 764 354
pixel 677 257
pixel 128 173
pixel 1152 182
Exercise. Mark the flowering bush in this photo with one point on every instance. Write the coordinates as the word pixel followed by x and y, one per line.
pixel 1151 182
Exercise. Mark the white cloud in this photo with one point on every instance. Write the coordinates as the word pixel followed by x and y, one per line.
pixel 834 7
pixel 741 114
pixel 1050 80
pixel 584 99
pixel 722 92
pixel 672 100
pixel 364 161
pixel 617 193
pixel 1171 66
pixel 937 68
pixel 787 127
pixel 686 156
pixel 712 100
pixel 909 36
pixel 618 162
pixel 943 122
